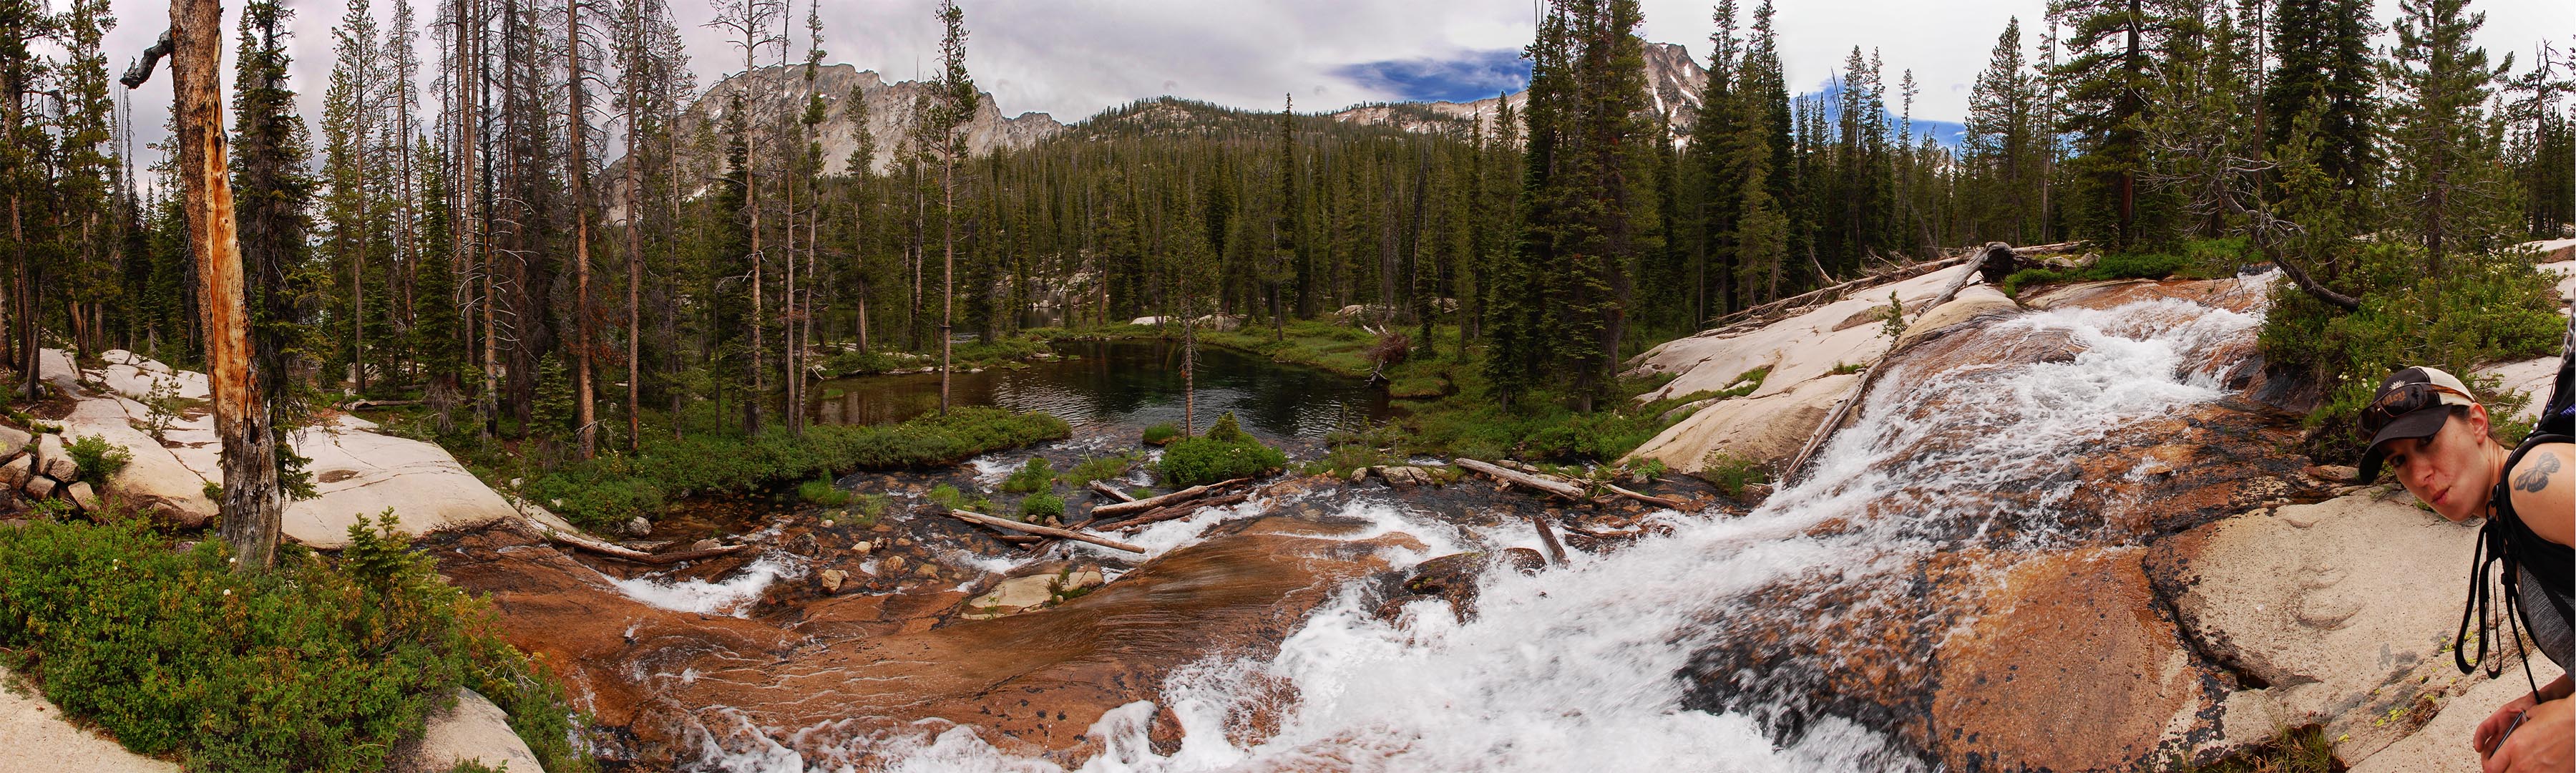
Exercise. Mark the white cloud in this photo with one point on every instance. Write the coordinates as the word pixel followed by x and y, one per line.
pixel 1073 58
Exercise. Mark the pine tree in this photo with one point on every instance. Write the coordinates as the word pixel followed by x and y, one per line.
pixel 955 105
pixel 2325 66
pixel 2447 168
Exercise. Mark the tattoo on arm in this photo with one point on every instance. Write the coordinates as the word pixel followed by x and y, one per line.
pixel 2536 476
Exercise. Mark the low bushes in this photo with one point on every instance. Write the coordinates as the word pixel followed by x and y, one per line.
pixel 1162 433
pixel 1224 453
pixel 2198 258
pixel 611 490
pixel 1111 467
pixel 319 664
pixel 98 460
pixel 1041 507
pixel 1033 476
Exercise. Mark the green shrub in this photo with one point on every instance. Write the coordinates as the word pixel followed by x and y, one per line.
pixel 612 489
pixel 1162 433
pixel 1731 473
pixel 315 665
pixel 947 496
pixel 2486 308
pixel 1111 467
pixel 1225 430
pixel 1891 318
pixel 1193 461
pixel 867 508
pixel 820 491
pixel 1041 507
pixel 98 459
pixel 1035 475
pixel 2032 277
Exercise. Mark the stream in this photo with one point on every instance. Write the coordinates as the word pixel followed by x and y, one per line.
pixel 1802 635
pixel 1128 384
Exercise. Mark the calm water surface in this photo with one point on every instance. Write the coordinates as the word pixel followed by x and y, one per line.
pixel 1124 384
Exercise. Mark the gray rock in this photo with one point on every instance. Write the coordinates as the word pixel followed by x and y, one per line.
pixel 473 729
pixel 39 487
pixel 638 527
pixel 82 496
pixel 52 459
pixel 17 471
pixel 13 441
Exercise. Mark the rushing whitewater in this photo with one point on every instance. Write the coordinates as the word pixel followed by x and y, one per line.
pixel 1631 659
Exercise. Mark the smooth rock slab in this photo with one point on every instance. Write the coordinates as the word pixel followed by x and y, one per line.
pixel 34 736
pixel 2442 745
pixel 473 729
pixel 2336 612
pixel 1767 429
pixel 364 473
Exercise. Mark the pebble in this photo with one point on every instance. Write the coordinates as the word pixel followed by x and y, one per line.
pixel 862 548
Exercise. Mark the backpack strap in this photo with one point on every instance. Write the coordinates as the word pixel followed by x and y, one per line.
pixel 2495 546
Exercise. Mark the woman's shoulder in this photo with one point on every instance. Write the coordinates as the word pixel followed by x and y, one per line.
pixel 2543 487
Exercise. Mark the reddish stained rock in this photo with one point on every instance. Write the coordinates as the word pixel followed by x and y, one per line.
pixel 1037 681
pixel 2068 667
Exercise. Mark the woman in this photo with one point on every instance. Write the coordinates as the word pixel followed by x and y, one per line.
pixel 2427 428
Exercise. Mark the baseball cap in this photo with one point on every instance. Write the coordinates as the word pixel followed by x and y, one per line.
pixel 2410 404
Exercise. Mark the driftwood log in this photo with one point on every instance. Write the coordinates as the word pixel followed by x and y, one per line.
pixel 1646 498
pixel 1547 536
pixel 1835 292
pixel 1112 492
pixel 1149 503
pixel 1173 512
pixel 622 552
pixel 981 519
pixel 1567 490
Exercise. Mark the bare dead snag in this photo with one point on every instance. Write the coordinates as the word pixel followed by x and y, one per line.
pixel 251 512
pixel 1174 512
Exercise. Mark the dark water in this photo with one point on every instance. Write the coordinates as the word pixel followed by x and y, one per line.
pixel 1125 384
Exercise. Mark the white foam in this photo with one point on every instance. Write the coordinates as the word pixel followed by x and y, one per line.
pixel 729 597
pixel 1581 667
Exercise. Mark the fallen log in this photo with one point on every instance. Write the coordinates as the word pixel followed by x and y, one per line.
pixel 1646 498
pixel 1112 492
pixel 1182 510
pixel 1835 292
pixel 360 405
pixel 1555 551
pixel 1150 503
pixel 622 552
pixel 981 519
pixel 1567 490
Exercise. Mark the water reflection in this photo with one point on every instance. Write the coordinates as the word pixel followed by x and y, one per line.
pixel 1124 383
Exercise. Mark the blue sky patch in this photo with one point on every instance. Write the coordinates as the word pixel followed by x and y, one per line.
pixel 1465 78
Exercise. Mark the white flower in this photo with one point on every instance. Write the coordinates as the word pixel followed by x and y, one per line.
pixel 228 591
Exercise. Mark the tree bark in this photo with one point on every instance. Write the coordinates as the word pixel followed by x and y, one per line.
pixel 250 508
pixel 585 407
pixel 1567 490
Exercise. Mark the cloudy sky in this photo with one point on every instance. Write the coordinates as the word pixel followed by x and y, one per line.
pixel 1072 58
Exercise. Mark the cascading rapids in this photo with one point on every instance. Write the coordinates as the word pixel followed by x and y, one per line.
pixel 1589 666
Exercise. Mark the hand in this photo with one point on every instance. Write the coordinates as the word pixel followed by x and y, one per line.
pixel 2546 742
pixel 2485 739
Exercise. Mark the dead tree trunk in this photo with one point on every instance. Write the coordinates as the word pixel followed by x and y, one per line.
pixel 586 406
pixel 250 506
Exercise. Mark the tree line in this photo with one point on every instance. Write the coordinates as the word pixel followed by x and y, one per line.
pixel 455 230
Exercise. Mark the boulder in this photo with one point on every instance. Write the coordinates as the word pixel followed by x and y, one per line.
pixel 1149 320
pixel 1031 591
pixel 82 496
pixel 17 471
pixel 34 736
pixel 55 368
pixel 53 460
pixel 1767 429
pixel 473 729
pixel 13 441
pixel 155 479
pixel 357 472
pixel 39 487
pixel 2324 612
pixel 1219 322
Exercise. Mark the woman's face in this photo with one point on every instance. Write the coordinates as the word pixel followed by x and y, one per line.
pixel 2448 470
